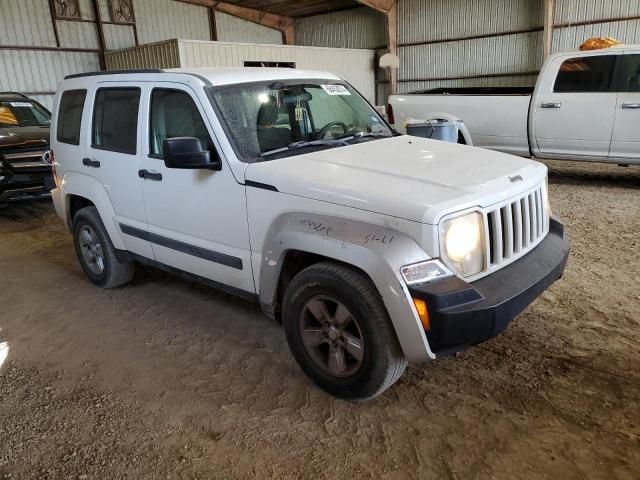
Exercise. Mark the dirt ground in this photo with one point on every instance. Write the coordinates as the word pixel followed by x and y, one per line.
pixel 167 379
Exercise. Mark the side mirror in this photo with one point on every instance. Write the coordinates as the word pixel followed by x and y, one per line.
pixel 186 152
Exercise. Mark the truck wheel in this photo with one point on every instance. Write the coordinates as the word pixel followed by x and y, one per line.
pixel 96 253
pixel 339 332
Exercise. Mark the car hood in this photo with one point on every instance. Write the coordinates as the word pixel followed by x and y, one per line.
pixel 18 137
pixel 406 177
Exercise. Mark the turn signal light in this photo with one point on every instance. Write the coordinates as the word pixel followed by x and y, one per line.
pixel 423 313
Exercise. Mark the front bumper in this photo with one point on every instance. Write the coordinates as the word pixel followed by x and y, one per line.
pixel 463 314
pixel 25 186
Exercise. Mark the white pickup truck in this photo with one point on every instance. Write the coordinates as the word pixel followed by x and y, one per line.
pixel 286 187
pixel 585 106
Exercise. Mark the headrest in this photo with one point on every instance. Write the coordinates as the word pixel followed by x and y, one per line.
pixel 268 113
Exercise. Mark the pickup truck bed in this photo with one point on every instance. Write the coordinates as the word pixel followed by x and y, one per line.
pixel 510 104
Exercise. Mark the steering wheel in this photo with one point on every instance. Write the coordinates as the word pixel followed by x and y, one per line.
pixel 324 130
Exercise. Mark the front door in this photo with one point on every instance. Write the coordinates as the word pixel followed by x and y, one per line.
pixel 112 157
pixel 625 142
pixel 575 116
pixel 197 218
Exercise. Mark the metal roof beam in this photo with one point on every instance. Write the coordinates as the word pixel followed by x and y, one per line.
pixel 286 25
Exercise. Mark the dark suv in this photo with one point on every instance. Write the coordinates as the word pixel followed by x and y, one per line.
pixel 25 171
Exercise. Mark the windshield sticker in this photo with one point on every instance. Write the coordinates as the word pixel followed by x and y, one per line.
pixel 20 104
pixel 335 89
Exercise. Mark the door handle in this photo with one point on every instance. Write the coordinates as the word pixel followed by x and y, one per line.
pixel 551 105
pixel 89 162
pixel 146 174
pixel 631 106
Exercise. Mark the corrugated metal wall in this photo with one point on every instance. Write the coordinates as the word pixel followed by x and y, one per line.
pixel 354 28
pixel 473 42
pixel 356 66
pixel 234 29
pixel 461 42
pixel 568 36
pixel 28 23
pixel 164 19
pixel 36 71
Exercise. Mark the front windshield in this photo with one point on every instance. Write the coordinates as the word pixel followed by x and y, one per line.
pixel 268 120
pixel 23 113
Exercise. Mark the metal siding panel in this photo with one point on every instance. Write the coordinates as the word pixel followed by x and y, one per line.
pixel 26 22
pixel 356 28
pixel 572 11
pixel 428 20
pixel 40 71
pixel 77 34
pixel 234 29
pixel 118 36
pixel 481 56
pixel 570 38
pixel 165 19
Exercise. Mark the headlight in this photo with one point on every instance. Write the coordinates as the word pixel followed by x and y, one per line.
pixel 424 272
pixel 462 243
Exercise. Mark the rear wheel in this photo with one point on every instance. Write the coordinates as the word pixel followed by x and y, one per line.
pixel 96 253
pixel 339 332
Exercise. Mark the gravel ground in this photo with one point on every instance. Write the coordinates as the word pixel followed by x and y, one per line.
pixel 166 379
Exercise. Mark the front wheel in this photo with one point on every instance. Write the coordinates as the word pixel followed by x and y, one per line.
pixel 339 332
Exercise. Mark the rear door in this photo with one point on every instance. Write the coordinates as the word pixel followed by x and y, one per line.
pixel 625 142
pixel 574 113
pixel 112 156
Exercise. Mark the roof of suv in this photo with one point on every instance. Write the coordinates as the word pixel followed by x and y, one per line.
pixel 225 75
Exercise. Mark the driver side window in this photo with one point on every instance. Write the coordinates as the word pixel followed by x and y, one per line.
pixel 175 114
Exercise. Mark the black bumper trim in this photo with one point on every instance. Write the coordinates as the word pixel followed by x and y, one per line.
pixel 463 314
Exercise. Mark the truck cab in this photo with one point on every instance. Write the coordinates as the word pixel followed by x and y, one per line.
pixel 286 187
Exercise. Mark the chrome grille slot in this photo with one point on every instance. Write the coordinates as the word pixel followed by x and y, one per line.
pixel 515 226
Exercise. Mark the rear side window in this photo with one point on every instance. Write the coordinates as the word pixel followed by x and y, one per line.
pixel 586 74
pixel 115 119
pixel 631 74
pixel 70 116
pixel 175 114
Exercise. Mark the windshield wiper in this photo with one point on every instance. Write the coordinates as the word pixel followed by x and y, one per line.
pixel 358 136
pixel 332 142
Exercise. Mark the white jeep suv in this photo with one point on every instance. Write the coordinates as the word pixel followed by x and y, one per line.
pixel 373 249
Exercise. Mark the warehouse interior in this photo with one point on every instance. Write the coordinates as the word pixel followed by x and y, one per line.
pixel 166 377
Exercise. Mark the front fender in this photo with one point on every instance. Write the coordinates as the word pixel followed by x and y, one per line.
pixel 378 251
pixel 76 183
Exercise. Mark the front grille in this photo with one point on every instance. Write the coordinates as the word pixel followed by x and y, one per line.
pixel 515 227
pixel 27 159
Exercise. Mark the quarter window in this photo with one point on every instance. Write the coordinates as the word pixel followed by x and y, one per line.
pixel 586 74
pixel 175 114
pixel 631 74
pixel 115 119
pixel 70 116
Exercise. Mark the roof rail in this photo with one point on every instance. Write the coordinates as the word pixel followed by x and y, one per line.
pixel 18 94
pixel 113 72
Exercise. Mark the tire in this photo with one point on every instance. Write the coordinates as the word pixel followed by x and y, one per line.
pixel 358 373
pixel 111 271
